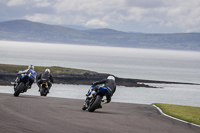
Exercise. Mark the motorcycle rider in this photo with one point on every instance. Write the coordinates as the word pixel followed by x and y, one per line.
pixel 46 75
pixel 108 83
pixel 32 76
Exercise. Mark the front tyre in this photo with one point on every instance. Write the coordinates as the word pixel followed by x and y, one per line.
pixel 96 103
pixel 19 89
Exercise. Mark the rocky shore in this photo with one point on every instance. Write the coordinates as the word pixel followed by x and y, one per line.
pixel 75 76
pixel 6 77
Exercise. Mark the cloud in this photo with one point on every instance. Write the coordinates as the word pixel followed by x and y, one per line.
pixel 126 15
pixel 185 15
pixel 44 18
pixel 145 3
pixel 16 2
pixel 43 3
pixel 96 22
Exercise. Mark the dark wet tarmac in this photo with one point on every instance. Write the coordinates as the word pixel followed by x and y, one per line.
pixel 35 114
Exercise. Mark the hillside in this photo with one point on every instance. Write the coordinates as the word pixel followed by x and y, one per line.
pixel 23 30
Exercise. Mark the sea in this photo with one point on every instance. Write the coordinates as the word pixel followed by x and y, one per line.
pixel 149 64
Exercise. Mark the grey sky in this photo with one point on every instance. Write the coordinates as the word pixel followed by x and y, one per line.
pixel 148 16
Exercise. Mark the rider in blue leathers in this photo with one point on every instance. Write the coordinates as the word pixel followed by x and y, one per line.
pixel 109 84
pixel 32 75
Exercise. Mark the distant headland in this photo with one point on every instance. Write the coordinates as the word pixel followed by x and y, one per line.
pixel 62 75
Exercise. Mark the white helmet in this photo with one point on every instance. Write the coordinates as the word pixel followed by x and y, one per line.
pixel 31 67
pixel 47 70
pixel 111 77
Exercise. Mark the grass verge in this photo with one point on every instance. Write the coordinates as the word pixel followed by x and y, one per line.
pixel 187 113
pixel 54 69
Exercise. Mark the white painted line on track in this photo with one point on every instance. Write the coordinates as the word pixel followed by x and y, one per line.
pixel 175 118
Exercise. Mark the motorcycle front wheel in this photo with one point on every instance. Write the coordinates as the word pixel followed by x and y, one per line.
pixel 96 103
pixel 19 89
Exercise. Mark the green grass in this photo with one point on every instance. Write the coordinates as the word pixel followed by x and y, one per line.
pixel 7 67
pixel 54 69
pixel 187 113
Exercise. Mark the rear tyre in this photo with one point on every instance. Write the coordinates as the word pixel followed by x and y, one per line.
pixel 43 92
pixel 96 103
pixel 19 89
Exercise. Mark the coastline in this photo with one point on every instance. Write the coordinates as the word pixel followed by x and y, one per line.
pixel 8 74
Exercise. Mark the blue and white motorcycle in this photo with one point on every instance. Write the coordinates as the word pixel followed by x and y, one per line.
pixel 94 97
pixel 21 84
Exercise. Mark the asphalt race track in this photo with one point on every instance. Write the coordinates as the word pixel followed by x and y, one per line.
pixel 35 114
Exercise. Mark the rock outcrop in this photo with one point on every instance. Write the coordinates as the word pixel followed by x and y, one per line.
pixel 8 74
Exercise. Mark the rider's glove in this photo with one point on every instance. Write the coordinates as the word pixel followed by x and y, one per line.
pixel 94 83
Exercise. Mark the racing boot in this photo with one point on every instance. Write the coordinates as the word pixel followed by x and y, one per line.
pixel 102 102
pixel 100 106
pixel 39 88
pixel 84 107
pixel 48 90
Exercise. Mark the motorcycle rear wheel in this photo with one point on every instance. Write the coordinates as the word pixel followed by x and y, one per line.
pixel 42 92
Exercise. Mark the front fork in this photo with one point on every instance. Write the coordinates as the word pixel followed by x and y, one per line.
pixel 89 97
